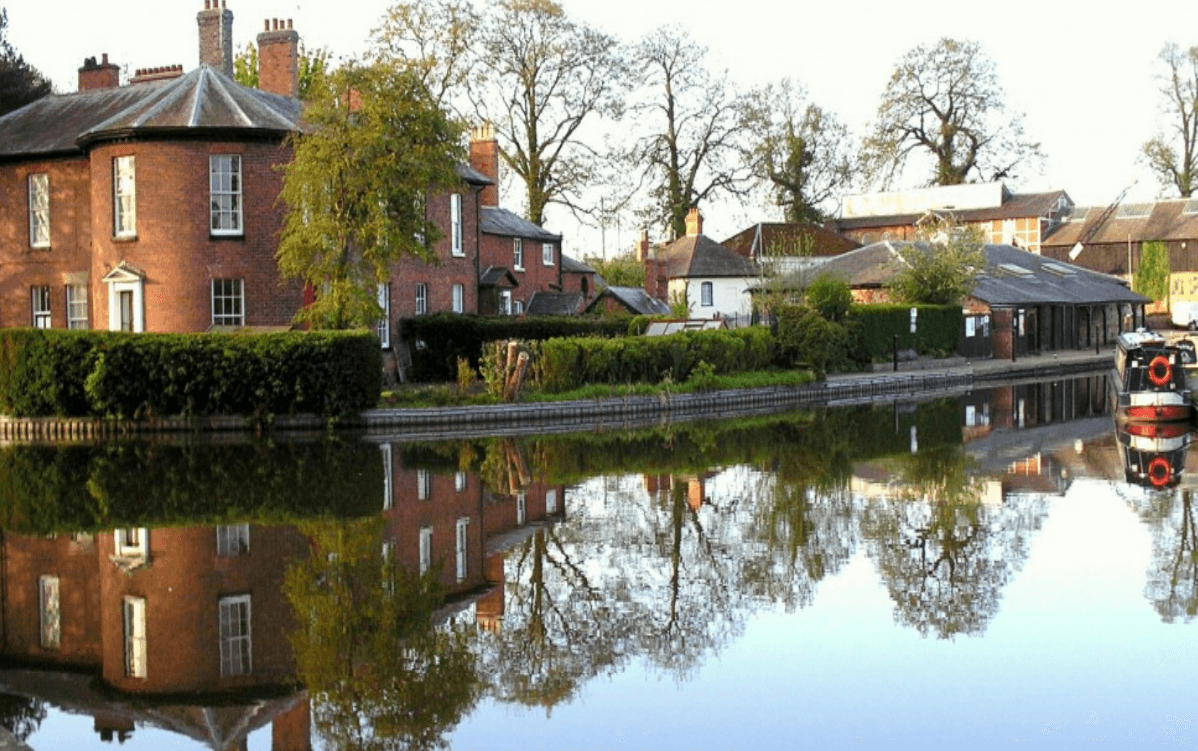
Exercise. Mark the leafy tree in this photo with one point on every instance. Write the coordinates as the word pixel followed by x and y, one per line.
pixel 801 153
pixel 621 271
pixel 1151 278
pixel 312 65
pixel 693 149
pixel 21 715
pixel 20 82
pixel 942 267
pixel 1173 154
pixel 356 188
pixel 945 102
pixel 830 297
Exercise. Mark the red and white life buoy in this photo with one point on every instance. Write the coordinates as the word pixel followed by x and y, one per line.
pixel 1159 472
pixel 1160 372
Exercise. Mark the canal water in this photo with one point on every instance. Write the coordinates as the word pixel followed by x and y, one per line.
pixel 997 569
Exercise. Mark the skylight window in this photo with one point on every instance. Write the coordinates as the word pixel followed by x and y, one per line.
pixel 1133 210
pixel 1191 207
pixel 1058 269
pixel 1014 269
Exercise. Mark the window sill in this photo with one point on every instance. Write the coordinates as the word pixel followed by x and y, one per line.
pixel 223 238
pixel 124 238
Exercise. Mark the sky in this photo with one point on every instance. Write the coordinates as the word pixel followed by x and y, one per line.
pixel 1083 73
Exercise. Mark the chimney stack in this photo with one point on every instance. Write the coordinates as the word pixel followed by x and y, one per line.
pixel 164 73
pixel 103 75
pixel 278 58
pixel 216 36
pixel 484 157
pixel 694 222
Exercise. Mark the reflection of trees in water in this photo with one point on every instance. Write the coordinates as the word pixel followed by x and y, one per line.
pixel 380 674
pixel 657 576
pixel 1172 586
pixel 21 715
pixel 943 554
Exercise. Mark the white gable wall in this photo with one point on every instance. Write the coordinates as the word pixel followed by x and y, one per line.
pixel 729 296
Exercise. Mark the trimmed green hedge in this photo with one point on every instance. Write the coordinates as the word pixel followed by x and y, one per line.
pixel 447 336
pixel 77 373
pixel 562 364
pixel 938 334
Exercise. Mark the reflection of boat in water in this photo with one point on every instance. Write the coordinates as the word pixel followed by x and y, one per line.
pixel 1149 380
pixel 1153 454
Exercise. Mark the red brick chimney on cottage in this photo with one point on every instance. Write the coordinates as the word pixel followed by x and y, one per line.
pixel 216 36
pixel 694 222
pixel 163 73
pixel 278 58
pixel 484 157
pixel 102 75
pixel 655 285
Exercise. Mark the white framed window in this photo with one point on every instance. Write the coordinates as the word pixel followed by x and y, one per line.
pixel 459 481
pixel 224 192
pixel 228 302
pixel 384 326
pixel 551 501
pixel 505 302
pixel 518 253
pixel 421 299
pixel 134 609
pixel 705 294
pixel 426 549
pixel 124 197
pixel 50 620
pixel 547 255
pixel 388 492
pixel 132 542
pixel 517 307
pixel 455 225
pixel 76 306
pixel 40 305
pixel 235 642
pixel 39 210
pixel 459 298
pixel 521 508
pixel 424 485
pixel 460 547
pixel 232 540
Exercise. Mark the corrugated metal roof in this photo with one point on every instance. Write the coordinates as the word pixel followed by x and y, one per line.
pixel 1162 220
pixel 204 99
pixel 497 221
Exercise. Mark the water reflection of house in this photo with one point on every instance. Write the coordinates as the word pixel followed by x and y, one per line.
pixel 155 614
pixel 695 485
pixel 450 522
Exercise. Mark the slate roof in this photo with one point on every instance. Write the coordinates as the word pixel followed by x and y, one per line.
pixel 555 303
pixel 497 221
pixel 573 266
pixel 635 299
pixel 1159 220
pixel 700 256
pixel 471 175
pixel 493 275
pixel 789 239
pixel 204 100
pixel 1014 205
pixel 1011 277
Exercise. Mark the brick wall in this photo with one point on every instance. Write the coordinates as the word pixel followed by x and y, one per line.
pixel 535 276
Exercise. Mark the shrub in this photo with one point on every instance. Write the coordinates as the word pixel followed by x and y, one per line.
pixel 938 330
pixel 830 297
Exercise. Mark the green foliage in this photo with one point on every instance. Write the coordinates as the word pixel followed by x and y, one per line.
pixel 1151 278
pixel 80 487
pixel 356 188
pixel 830 297
pixel 312 66
pixel 806 337
pixel 942 268
pixel 20 82
pixel 437 341
pixel 938 329
pixel 466 376
pixel 679 307
pixel 565 364
pixel 621 271
pixel 75 373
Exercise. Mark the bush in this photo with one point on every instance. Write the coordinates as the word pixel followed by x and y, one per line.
pixel 938 330
pixel 75 373
pixel 830 297
pixel 438 341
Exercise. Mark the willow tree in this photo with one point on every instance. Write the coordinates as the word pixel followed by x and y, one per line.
pixel 944 102
pixel 374 148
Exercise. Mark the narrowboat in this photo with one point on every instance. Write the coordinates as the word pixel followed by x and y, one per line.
pixel 1153 453
pixel 1149 379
